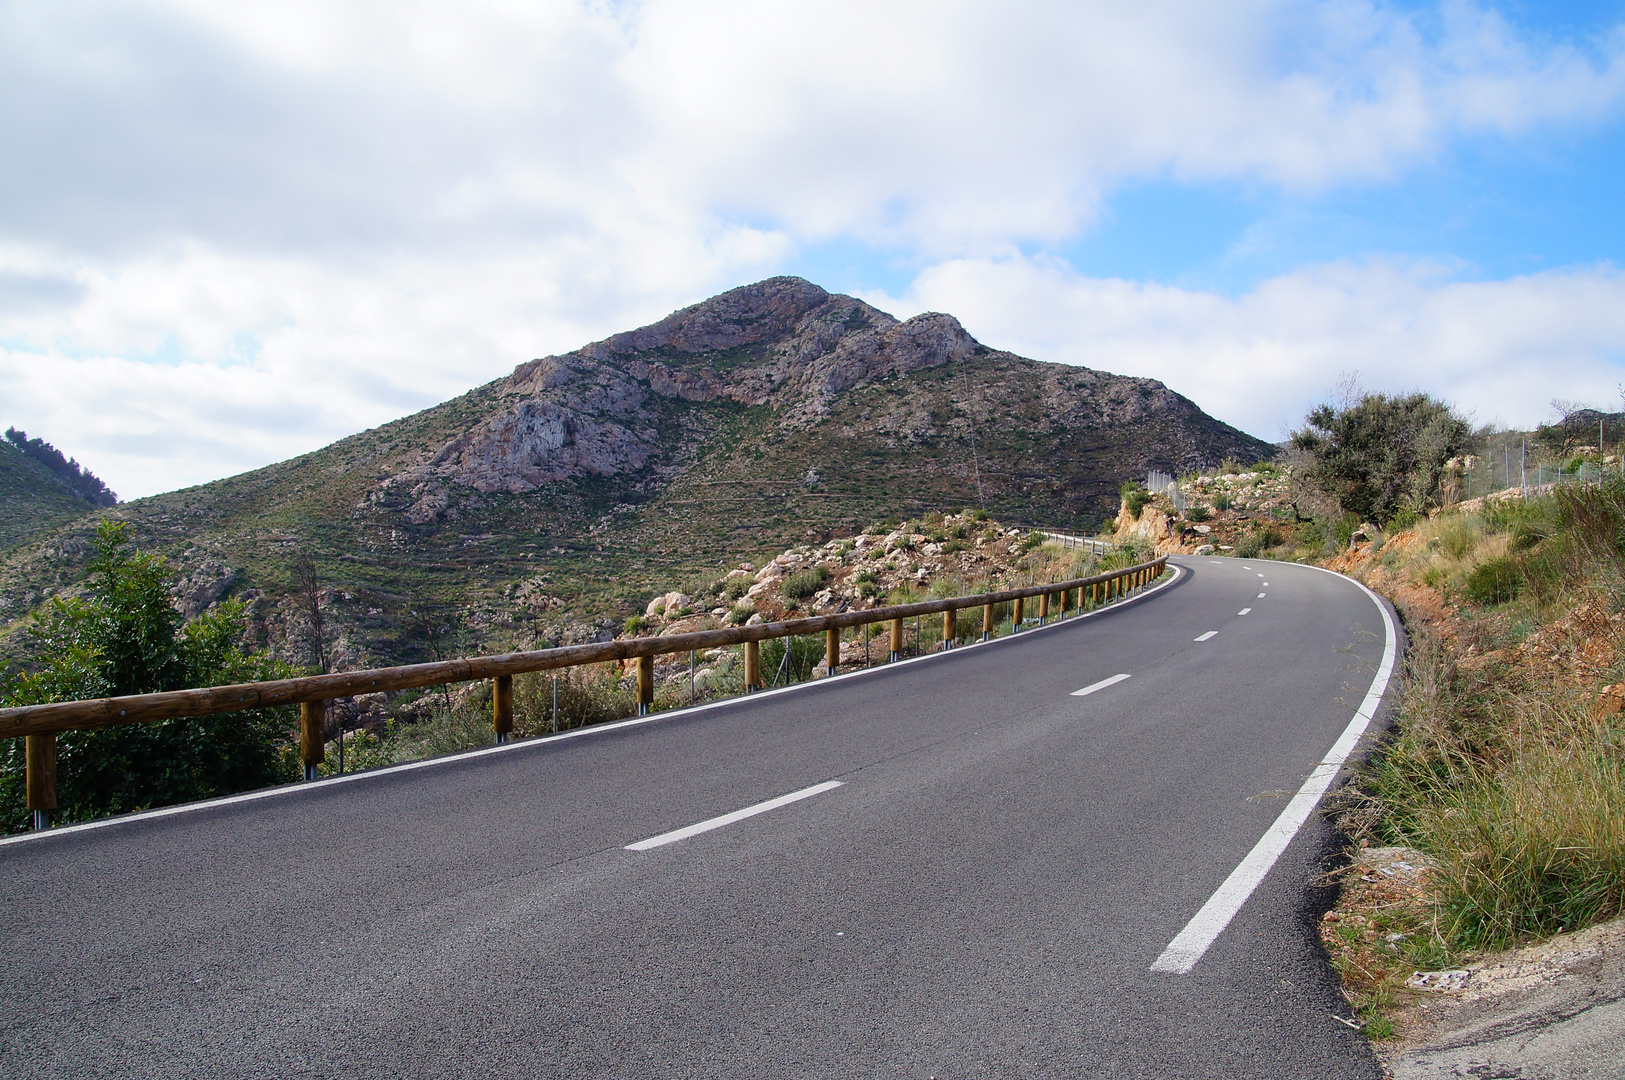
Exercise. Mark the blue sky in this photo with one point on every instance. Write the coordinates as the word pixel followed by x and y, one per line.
pixel 230 234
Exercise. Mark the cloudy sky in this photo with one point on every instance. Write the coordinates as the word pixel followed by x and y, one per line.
pixel 231 233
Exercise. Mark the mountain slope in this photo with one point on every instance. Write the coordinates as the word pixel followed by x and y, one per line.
pixel 566 491
pixel 33 500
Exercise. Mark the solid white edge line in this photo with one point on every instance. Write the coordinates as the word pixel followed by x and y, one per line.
pixel 1210 633
pixel 728 819
pixel 283 790
pixel 1244 611
pixel 1101 685
pixel 1199 934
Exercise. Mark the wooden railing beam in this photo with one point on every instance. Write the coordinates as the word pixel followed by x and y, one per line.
pixel 110 712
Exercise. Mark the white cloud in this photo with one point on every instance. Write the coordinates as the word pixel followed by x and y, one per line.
pixel 1501 350
pixel 230 233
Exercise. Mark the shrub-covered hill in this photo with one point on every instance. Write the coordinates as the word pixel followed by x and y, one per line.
pixel 547 504
pixel 33 499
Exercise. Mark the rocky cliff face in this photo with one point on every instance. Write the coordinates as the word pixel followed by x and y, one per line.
pixel 782 342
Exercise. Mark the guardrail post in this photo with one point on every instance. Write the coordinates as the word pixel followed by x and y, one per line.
pixel 1066 601
pixel 950 629
pixel 646 685
pixel 1043 608
pixel 832 649
pixel 1015 614
pixel 502 707
pixel 753 666
pixel 39 763
pixel 312 748
pixel 987 622
pixel 897 639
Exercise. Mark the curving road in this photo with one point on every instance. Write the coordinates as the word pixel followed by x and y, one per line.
pixel 978 878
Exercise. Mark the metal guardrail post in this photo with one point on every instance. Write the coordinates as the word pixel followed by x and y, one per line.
pixel 832 649
pixel 646 685
pixel 950 629
pixel 897 639
pixel 312 748
pixel 39 757
pixel 502 707
pixel 753 666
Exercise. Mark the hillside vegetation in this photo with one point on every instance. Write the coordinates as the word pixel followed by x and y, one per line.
pixel 1493 813
pixel 33 501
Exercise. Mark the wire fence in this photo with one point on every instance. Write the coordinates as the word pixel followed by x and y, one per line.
pixel 1160 483
pixel 1510 467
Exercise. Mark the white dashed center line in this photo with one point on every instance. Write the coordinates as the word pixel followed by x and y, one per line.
pixel 1101 685
pixel 728 819
pixel 1244 611
pixel 1260 596
pixel 1210 633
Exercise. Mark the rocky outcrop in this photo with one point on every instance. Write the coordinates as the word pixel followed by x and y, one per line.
pixel 782 342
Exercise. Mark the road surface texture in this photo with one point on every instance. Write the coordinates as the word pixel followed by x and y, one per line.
pixel 981 889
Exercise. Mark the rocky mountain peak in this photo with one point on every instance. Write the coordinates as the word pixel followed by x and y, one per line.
pixel 783 342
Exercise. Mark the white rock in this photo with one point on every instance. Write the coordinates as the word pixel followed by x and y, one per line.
pixel 1205 549
pixel 755 620
pixel 770 571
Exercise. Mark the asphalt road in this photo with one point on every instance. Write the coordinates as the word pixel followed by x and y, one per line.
pixel 983 895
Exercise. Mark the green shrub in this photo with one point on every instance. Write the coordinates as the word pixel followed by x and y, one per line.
pixel 804 583
pixel 1221 503
pixel 126 637
pixel 805 652
pixel 735 588
pixel 1381 455
pixel 1135 497
pixel 634 624
pixel 363 750
pixel 1495 581
pixel 1197 514
pixel 587 695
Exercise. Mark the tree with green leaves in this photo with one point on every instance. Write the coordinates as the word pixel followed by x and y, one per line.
pixel 1380 455
pixel 126 637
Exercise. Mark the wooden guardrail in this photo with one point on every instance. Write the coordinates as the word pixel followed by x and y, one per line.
pixel 39 724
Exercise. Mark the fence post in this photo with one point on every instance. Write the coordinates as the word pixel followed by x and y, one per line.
pixel 646 685
pixel 39 756
pixel 1066 598
pixel 1015 615
pixel 1043 608
pixel 502 707
pixel 753 666
pixel 312 750
pixel 897 639
pixel 950 628
pixel 987 622
pixel 832 649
